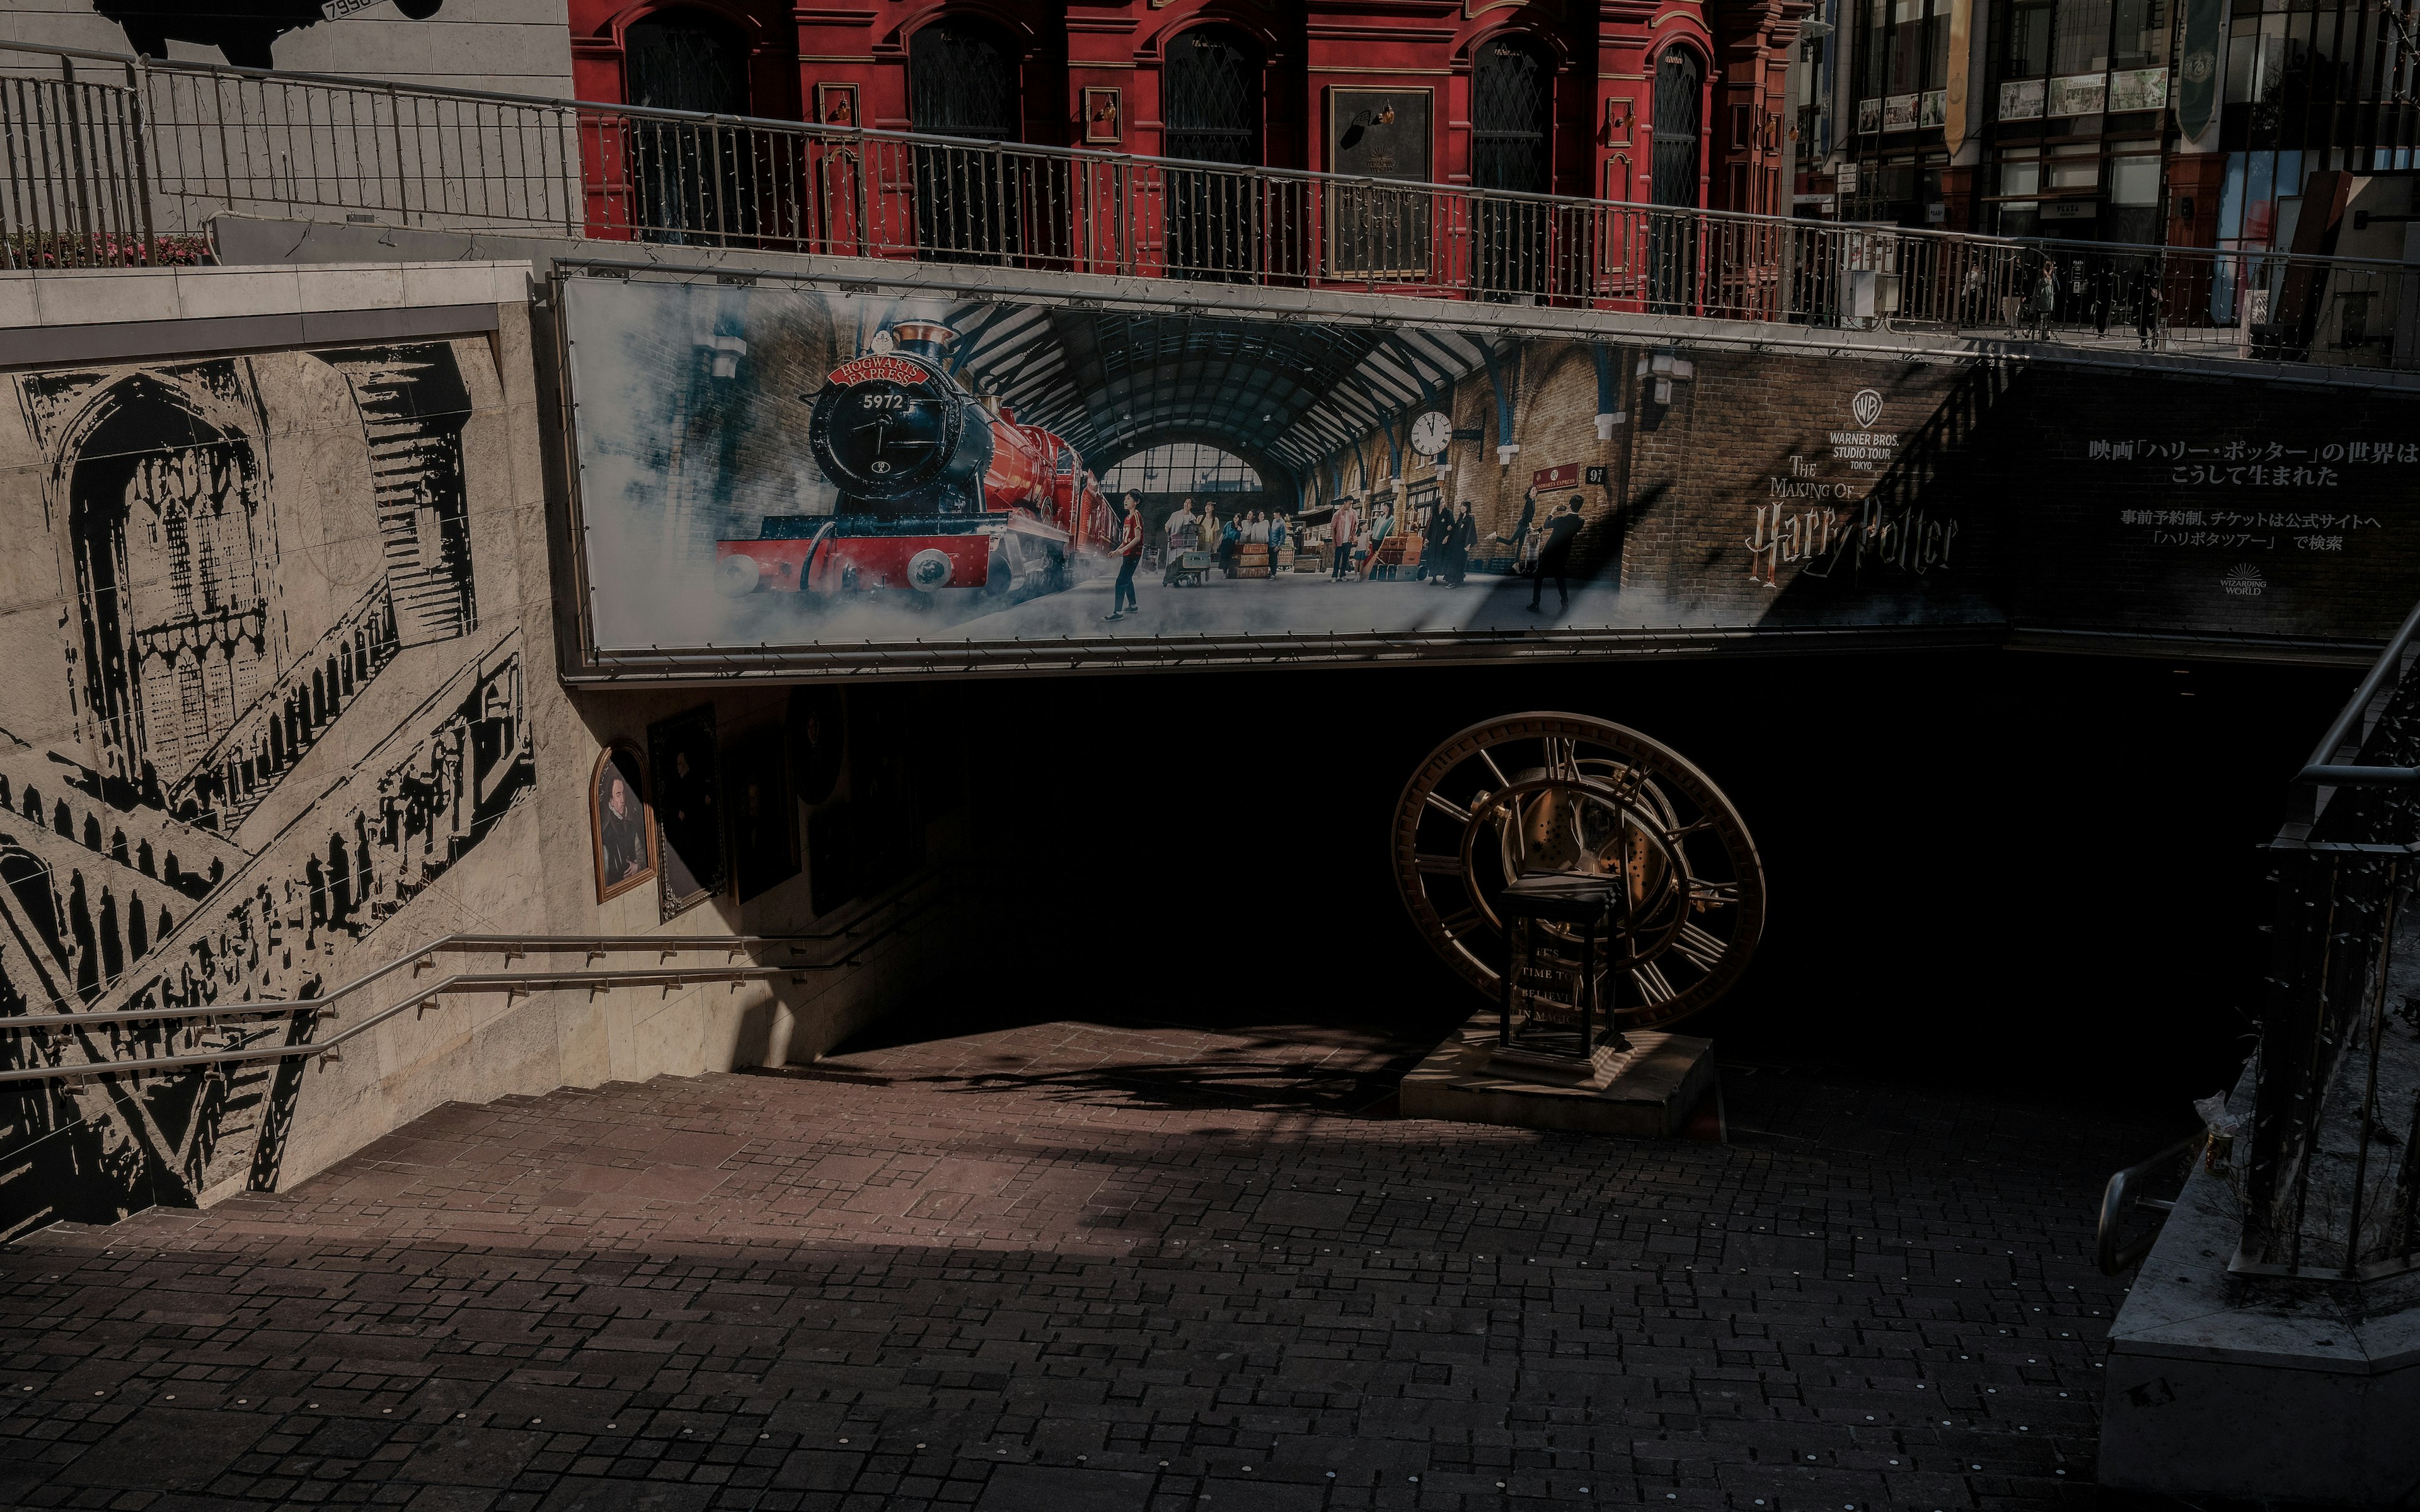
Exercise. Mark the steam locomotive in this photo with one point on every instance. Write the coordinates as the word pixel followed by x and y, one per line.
pixel 940 490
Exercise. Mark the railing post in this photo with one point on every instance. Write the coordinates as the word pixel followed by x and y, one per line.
pixel 402 184
pixel 138 79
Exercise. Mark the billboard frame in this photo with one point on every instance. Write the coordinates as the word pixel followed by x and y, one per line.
pixel 582 663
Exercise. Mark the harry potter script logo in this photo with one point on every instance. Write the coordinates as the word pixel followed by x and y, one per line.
pixel 1865 408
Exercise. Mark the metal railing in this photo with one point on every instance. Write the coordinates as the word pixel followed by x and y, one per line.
pixel 741 963
pixel 2331 1186
pixel 2114 1247
pixel 189 140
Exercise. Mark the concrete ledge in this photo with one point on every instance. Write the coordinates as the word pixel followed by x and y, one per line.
pixel 2233 1387
pixel 128 314
pixel 1646 1094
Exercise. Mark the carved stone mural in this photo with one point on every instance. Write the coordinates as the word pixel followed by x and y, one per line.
pixel 249 713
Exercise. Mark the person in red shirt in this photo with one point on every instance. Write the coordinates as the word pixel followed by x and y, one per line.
pixel 1129 558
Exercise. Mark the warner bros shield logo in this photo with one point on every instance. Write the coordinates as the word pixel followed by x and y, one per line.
pixel 1865 408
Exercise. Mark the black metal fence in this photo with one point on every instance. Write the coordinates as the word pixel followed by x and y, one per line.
pixel 2330 1187
pixel 174 142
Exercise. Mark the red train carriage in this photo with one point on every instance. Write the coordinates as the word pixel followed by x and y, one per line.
pixel 940 491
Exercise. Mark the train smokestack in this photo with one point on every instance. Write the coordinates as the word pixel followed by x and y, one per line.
pixel 924 338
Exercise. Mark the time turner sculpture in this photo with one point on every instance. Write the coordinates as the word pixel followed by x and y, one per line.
pixel 1589 879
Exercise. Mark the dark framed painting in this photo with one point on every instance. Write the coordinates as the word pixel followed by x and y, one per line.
pixel 688 808
pixel 621 830
pixel 763 820
pixel 817 722
pixel 1379 231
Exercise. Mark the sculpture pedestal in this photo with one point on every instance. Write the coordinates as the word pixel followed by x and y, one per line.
pixel 1646 1092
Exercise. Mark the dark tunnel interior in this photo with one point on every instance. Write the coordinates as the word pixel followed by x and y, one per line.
pixel 2037 875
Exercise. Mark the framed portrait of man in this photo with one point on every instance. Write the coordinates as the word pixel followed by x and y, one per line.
pixel 623 830
pixel 687 809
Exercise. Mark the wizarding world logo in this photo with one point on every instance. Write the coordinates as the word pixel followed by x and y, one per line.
pixel 2243 580
pixel 1865 408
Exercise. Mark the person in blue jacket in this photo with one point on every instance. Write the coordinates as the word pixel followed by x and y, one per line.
pixel 1276 541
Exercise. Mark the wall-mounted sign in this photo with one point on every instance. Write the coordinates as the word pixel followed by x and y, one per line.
pixel 2021 99
pixel 1601 476
pixel 1102 124
pixel 2138 89
pixel 1870 114
pixel 1378 232
pixel 1898 113
pixel 836 104
pixel 2197 66
pixel 2070 209
pixel 1933 107
pixel 2078 94
pixel 1958 94
pixel 1844 179
pixel 1556 477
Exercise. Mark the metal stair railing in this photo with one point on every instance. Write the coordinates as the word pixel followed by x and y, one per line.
pixel 912 899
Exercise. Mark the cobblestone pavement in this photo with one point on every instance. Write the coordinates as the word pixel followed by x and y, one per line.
pixel 1070 1268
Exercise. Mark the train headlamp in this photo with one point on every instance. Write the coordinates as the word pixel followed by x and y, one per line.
pixel 929 569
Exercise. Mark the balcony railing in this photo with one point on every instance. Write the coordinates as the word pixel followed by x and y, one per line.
pixel 100 140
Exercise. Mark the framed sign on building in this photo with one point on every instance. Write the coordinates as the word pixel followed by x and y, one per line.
pixel 836 104
pixel 1375 231
pixel 688 807
pixel 1102 116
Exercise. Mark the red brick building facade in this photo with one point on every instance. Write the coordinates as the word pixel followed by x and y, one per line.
pixel 1678 102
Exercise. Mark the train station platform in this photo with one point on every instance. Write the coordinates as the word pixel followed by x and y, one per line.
pixel 1098 1264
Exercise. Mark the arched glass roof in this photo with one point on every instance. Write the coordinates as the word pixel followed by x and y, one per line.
pixel 1282 395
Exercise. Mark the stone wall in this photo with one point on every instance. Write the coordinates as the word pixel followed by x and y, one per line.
pixel 278 707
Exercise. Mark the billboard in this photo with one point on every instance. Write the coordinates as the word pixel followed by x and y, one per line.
pixel 783 480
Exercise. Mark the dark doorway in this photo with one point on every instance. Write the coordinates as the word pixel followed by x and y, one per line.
pixel 692 180
pixel 962 81
pixel 1672 239
pixel 1210 105
pixel 1512 123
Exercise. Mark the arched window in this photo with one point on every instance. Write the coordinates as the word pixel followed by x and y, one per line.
pixel 1210 107
pixel 962 80
pixel 1680 89
pixel 690 186
pixel 1672 239
pixel 1183 468
pixel 1512 143
pixel 1512 115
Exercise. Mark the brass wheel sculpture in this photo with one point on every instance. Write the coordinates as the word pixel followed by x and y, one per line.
pixel 1565 792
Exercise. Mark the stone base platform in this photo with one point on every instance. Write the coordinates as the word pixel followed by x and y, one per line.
pixel 1646 1093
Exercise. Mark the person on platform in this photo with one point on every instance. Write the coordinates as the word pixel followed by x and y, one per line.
pixel 1462 533
pixel 1276 541
pixel 1231 540
pixel 1382 525
pixel 1521 527
pixel 1343 536
pixel 1555 554
pixel 1182 533
pixel 1256 530
pixel 1129 558
pixel 1432 554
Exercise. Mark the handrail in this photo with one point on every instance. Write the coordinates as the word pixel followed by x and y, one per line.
pixel 2322 769
pixel 1091 155
pixel 510 981
pixel 2117 1199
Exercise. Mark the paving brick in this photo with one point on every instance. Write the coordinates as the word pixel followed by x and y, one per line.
pixel 1066 1266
